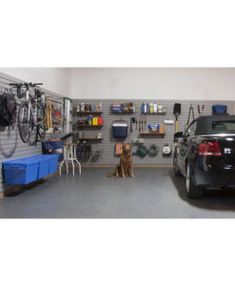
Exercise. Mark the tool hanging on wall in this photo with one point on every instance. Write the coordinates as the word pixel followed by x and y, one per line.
pixel 166 150
pixel 190 114
pixel 131 128
pixel 145 123
pixel 153 150
pixel 48 113
pixel 177 112
pixel 200 109
pixel 132 121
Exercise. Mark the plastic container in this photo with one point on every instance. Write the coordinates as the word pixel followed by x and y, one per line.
pixel 43 167
pixel 219 109
pixel 20 171
pixel 120 129
pixel 48 164
pixel 53 147
pixel 53 163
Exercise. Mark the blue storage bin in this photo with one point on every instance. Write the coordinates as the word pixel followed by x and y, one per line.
pixel 20 171
pixel 53 147
pixel 43 168
pixel 53 163
pixel 48 164
pixel 219 109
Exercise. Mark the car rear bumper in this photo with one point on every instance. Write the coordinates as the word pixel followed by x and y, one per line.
pixel 214 179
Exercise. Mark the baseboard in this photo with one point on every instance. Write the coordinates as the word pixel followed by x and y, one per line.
pixel 135 166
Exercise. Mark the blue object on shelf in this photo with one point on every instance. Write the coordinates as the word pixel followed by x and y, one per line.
pixel 219 109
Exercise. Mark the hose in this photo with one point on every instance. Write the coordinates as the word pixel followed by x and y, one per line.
pixel 153 150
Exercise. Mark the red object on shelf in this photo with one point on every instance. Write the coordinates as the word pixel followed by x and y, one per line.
pixel 100 120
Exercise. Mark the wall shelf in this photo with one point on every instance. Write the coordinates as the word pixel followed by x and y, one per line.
pixel 85 113
pixel 122 113
pixel 88 126
pixel 90 139
pixel 152 134
pixel 154 113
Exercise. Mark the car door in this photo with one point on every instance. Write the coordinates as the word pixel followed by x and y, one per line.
pixel 186 145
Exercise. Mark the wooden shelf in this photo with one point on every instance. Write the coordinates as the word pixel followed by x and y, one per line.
pixel 90 139
pixel 88 113
pixel 88 126
pixel 154 113
pixel 121 113
pixel 152 134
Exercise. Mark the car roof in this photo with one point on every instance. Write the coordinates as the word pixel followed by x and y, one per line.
pixel 204 123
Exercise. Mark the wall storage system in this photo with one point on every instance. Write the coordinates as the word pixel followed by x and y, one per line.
pixel 11 145
pixel 137 133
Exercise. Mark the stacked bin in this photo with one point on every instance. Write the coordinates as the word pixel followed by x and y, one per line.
pixel 27 170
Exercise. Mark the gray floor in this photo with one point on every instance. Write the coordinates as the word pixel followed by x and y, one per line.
pixel 154 193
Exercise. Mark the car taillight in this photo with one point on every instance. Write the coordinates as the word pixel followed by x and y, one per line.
pixel 209 148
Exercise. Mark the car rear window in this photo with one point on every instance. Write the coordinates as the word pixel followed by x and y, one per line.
pixel 223 126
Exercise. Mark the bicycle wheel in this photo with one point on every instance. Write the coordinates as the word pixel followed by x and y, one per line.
pixel 33 131
pixel 24 122
pixel 40 121
pixel 8 142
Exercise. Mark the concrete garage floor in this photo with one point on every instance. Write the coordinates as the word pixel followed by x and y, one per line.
pixel 154 193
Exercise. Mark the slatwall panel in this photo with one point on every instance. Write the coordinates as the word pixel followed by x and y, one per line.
pixel 108 142
pixel 10 140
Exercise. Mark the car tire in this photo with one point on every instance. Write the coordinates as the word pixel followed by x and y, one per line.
pixel 176 170
pixel 192 190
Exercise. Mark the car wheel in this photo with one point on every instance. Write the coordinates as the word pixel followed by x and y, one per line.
pixel 175 167
pixel 192 190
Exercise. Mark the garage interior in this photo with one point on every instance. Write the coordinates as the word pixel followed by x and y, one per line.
pixel 85 103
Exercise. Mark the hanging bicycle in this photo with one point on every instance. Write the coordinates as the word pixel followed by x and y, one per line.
pixel 31 112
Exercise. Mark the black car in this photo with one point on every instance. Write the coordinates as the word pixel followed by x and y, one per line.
pixel 205 154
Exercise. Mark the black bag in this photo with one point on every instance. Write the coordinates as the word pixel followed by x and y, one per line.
pixel 7 109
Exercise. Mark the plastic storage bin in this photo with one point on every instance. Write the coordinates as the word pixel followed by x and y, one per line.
pixel 120 129
pixel 43 165
pixel 20 171
pixel 53 147
pixel 53 163
pixel 48 164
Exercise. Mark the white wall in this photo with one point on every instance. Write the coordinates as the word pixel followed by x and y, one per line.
pixel 54 79
pixel 136 83
pixel 153 83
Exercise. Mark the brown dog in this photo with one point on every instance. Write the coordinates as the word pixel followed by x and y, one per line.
pixel 125 167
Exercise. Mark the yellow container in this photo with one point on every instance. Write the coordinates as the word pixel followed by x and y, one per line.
pixel 95 121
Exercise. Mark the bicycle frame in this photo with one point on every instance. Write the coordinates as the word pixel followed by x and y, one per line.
pixel 29 116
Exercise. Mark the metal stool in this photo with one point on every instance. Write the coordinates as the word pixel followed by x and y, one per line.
pixel 69 152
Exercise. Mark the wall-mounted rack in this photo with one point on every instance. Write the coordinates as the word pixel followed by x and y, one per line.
pixel 88 126
pixel 85 113
pixel 90 139
pixel 152 134
pixel 154 113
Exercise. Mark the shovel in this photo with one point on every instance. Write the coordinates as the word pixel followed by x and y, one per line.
pixel 177 112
